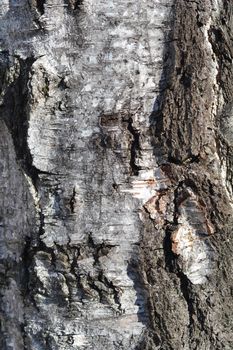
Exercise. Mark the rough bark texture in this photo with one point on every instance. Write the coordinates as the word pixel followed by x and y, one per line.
pixel 116 219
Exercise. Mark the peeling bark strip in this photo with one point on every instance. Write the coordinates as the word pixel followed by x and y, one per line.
pixel 116 226
pixel 190 240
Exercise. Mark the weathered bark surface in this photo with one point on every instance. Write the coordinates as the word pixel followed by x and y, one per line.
pixel 116 219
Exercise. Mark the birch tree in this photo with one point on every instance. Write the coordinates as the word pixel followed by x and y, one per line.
pixel 116 123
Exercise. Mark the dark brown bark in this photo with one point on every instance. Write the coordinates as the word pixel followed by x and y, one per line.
pixel 186 132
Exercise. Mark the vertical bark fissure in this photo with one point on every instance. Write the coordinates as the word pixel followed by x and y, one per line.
pixel 40 4
pixel 135 146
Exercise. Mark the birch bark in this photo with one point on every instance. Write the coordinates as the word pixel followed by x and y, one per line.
pixel 116 174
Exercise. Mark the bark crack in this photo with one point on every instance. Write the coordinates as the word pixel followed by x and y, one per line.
pixel 72 201
pixel 40 5
pixel 135 147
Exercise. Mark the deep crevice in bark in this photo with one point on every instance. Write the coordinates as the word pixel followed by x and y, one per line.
pixel 15 114
pixel 40 4
pixel 77 4
pixel 73 201
pixel 185 287
pixel 74 4
pixel 135 146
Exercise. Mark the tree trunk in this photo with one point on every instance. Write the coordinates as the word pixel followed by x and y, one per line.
pixel 116 174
